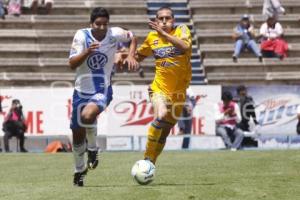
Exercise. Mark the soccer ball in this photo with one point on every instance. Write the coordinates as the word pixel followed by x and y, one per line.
pixel 143 172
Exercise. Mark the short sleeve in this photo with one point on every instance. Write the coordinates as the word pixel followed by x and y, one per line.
pixel 145 48
pixel 185 34
pixel 78 44
pixel 121 35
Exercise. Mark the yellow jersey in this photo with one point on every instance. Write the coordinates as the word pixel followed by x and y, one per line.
pixel 172 66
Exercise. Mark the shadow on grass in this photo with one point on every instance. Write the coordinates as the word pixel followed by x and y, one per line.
pixel 151 185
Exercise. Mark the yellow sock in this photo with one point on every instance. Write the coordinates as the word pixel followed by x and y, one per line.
pixel 154 134
pixel 162 141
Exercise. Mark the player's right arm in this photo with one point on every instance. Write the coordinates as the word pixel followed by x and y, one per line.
pixel 79 52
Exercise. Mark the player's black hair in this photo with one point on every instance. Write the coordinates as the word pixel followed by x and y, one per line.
pixel 99 12
pixel 226 96
pixel 165 8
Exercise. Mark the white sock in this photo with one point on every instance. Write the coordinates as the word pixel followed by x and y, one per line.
pixel 78 152
pixel 91 134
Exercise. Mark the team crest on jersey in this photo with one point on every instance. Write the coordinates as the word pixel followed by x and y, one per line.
pixel 155 42
pixel 112 40
pixel 97 61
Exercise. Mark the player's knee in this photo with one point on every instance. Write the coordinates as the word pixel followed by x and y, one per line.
pixel 162 113
pixel 87 117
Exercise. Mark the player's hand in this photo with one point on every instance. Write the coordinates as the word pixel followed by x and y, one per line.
pixel 155 26
pixel 131 62
pixel 94 47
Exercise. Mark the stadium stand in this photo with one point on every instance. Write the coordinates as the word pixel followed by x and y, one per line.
pixel 34 48
pixel 214 21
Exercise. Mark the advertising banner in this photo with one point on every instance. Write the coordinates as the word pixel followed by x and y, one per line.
pixel 48 110
pixel 275 107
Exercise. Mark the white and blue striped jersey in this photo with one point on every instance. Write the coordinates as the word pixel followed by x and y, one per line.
pixel 94 74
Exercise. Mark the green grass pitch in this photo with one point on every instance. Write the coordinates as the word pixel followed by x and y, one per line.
pixel 187 175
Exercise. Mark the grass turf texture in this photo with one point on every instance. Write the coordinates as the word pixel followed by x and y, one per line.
pixel 216 175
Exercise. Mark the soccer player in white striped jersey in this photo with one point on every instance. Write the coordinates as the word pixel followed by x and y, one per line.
pixel 92 56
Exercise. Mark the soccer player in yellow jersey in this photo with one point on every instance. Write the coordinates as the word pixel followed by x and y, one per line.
pixel 171 47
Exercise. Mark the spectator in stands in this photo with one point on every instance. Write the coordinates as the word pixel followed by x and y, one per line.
pixel 120 56
pixel 247 108
pixel 272 8
pixel 34 4
pixel 14 125
pixel 244 37
pixel 298 117
pixel 273 45
pixel 186 119
pixel 2 9
pixel 14 7
pixel 227 117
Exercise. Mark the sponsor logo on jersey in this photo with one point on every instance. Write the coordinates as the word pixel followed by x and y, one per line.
pixel 166 52
pixel 97 61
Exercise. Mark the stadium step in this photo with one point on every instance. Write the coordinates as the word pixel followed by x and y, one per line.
pixel 226 50
pixel 177 11
pixel 246 65
pixel 43 36
pixel 211 7
pixel 221 36
pixel 229 78
pixel 69 22
pixel 229 21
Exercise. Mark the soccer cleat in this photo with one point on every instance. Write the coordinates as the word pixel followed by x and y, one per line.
pixel 148 159
pixel 92 161
pixel 78 178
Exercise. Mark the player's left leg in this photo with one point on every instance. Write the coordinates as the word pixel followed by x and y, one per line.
pixel 159 103
pixel 161 127
pixel 97 104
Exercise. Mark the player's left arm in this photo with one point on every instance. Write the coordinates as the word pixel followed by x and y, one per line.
pixel 183 42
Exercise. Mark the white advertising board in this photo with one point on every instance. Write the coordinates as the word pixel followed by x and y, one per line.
pixel 48 110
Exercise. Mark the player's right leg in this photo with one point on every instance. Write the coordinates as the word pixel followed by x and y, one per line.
pixel 79 148
pixel 79 138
